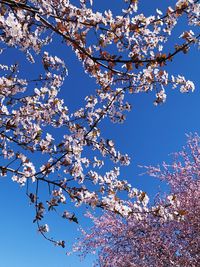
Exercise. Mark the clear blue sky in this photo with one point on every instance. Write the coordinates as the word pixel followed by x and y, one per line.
pixel 149 135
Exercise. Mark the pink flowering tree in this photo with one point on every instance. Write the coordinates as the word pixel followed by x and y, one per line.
pixel 166 233
pixel 124 54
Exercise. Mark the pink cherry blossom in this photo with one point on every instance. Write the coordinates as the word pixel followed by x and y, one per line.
pixel 165 234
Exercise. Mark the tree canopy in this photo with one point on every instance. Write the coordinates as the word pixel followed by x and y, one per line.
pixel 124 54
pixel 155 237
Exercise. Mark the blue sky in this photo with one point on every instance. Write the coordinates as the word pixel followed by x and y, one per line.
pixel 149 135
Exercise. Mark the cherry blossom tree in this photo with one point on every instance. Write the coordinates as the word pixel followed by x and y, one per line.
pixel 124 54
pixel 155 238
